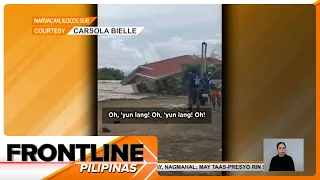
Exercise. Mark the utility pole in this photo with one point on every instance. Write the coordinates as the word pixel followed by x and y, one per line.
pixel 203 57
pixel 202 60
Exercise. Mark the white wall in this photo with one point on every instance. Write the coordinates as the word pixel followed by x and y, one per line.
pixel 134 88
pixel 217 82
pixel 294 148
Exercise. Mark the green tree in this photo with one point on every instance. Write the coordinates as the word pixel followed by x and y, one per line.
pixel 107 73
pixel 217 74
pixel 187 67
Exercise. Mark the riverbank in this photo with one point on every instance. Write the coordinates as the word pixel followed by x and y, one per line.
pixel 179 142
pixel 111 89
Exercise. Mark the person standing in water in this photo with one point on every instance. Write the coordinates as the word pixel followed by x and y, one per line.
pixel 282 161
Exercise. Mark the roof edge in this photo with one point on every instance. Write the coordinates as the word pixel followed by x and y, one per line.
pixel 145 67
pixel 129 77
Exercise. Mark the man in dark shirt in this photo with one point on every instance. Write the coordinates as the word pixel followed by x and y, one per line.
pixel 207 86
pixel 206 82
pixel 194 83
pixel 282 161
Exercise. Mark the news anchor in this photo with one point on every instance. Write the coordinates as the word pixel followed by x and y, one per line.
pixel 282 161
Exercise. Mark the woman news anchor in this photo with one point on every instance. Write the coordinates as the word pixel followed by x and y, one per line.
pixel 282 161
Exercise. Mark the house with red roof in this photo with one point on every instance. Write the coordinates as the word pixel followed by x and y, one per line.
pixel 153 76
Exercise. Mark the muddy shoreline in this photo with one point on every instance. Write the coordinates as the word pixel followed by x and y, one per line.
pixel 152 97
pixel 177 142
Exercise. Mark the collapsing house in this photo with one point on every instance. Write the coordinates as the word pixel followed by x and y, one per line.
pixel 153 77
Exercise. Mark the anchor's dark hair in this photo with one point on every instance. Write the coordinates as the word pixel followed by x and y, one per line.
pixel 281 143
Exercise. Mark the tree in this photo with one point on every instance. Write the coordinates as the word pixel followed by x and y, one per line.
pixel 213 54
pixel 217 74
pixel 187 67
pixel 107 73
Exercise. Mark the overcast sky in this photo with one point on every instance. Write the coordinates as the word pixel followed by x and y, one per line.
pixel 170 30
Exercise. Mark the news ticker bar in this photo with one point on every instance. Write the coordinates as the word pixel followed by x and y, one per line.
pixel 210 167
pixel 94 167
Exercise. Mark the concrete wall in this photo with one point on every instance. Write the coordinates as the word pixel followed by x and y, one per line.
pixel 150 84
pixel 217 82
pixel 219 65
pixel 134 88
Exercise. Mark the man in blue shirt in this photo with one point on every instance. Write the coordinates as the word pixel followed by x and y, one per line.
pixel 206 81
pixel 194 83
pixel 206 85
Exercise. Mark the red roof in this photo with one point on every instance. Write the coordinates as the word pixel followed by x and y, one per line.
pixel 172 65
pixel 166 67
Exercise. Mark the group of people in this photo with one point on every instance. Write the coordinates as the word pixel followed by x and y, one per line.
pixel 202 83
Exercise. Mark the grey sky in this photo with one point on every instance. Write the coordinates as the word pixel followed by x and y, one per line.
pixel 170 30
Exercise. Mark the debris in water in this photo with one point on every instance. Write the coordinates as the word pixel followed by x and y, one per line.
pixel 106 130
pixel 173 106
